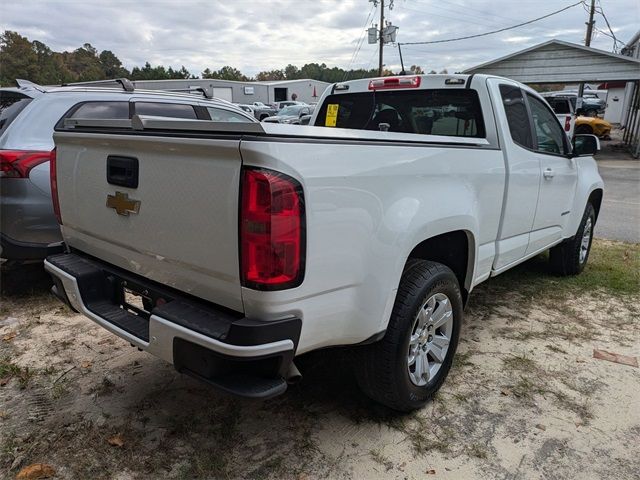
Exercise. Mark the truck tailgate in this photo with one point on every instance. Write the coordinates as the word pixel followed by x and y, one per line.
pixel 185 231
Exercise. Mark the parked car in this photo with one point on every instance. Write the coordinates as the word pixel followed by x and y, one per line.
pixel 260 111
pixel 269 240
pixel 592 105
pixel 564 109
pixel 593 125
pixel 290 114
pixel 287 103
pixel 28 227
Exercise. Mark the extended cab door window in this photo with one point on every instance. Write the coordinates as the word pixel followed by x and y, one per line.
pixel 550 137
pixel 173 110
pixel 450 112
pixel 517 115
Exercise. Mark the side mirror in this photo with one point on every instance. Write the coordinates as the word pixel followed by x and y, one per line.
pixel 585 145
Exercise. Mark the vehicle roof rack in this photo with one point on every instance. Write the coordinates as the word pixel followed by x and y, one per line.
pixel 126 84
pixel 201 90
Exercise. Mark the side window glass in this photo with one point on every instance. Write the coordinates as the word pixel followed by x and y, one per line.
pixel 221 115
pixel 102 110
pixel 549 133
pixel 173 110
pixel 560 106
pixel 517 116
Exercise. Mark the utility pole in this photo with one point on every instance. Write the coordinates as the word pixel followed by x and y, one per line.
pixel 587 43
pixel 381 33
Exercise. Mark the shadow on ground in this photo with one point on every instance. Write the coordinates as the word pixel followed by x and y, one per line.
pixel 24 280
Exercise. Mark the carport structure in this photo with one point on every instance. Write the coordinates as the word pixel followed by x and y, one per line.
pixel 557 61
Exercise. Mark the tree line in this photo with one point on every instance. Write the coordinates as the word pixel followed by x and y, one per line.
pixel 36 62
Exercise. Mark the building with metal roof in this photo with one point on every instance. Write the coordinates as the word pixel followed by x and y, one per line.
pixel 557 61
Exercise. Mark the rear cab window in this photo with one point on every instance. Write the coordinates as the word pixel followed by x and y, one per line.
pixel 448 112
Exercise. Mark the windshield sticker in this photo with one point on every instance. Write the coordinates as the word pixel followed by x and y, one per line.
pixel 332 115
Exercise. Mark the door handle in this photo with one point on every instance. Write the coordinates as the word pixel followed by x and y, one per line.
pixel 548 173
pixel 122 171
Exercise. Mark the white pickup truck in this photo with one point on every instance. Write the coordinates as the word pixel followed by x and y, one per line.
pixel 229 249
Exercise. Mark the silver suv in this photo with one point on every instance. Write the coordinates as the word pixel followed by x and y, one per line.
pixel 28 227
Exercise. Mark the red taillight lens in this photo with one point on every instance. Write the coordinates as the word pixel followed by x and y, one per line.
pixel 567 124
pixel 54 186
pixel 18 163
pixel 271 230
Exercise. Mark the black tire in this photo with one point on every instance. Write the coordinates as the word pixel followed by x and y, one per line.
pixel 565 258
pixel 584 130
pixel 382 368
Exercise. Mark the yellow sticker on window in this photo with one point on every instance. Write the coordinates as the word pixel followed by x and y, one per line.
pixel 332 115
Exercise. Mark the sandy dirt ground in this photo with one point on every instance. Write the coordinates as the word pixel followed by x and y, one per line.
pixel 525 399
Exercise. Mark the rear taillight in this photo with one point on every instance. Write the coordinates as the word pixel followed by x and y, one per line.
pixel 54 186
pixel 567 124
pixel 272 228
pixel 18 163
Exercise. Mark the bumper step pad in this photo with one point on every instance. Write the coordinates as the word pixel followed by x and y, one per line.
pixel 101 290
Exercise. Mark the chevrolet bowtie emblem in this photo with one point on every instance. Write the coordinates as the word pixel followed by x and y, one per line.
pixel 122 204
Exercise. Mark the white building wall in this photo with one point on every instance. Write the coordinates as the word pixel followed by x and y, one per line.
pixel 615 105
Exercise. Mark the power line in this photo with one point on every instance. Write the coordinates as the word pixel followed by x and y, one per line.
pixel 613 35
pixel 359 43
pixel 495 31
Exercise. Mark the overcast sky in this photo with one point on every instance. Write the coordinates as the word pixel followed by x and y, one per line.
pixel 255 35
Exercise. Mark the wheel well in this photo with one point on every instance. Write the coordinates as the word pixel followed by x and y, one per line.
pixel 450 249
pixel 595 199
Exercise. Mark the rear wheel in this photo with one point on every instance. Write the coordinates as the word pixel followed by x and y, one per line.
pixel 408 366
pixel 570 257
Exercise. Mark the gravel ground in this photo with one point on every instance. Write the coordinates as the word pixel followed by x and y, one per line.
pixel 525 399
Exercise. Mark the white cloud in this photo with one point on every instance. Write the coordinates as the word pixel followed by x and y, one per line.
pixel 255 35
pixel 517 39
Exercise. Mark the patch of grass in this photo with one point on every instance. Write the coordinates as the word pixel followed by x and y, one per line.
pixel 8 446
pixel 526 388
pixel 581 409
pixel 461 360
pixel 8 369
pixel 613 267
pixel 477 450
pixel 519 362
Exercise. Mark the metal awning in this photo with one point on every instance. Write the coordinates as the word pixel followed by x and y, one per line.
pixel 557 61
